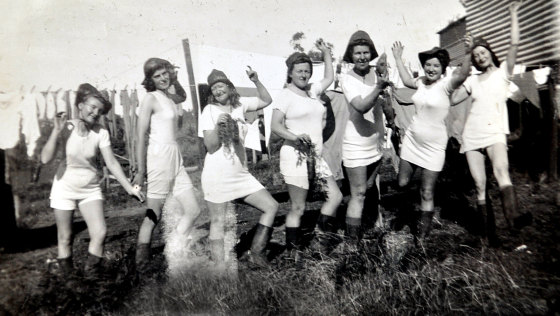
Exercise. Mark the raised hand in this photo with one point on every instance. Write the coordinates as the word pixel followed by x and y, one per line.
pixel 468 41
pixel 514 6
pixel 383 80
pixel 253 76
pixel 60 121
pixel 397 49
pixel 322 46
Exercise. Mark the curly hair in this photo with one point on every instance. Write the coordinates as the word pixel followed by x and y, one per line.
pixel 233 96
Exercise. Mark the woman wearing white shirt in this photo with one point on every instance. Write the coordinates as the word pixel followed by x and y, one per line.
pixel 487 125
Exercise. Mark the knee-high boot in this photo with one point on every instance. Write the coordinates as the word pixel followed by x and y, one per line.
pixel 424 223
pixel 326 234
pixel 143 254
pixel 489 223
pixel 354 234
pixel 257 253
pixel 514 217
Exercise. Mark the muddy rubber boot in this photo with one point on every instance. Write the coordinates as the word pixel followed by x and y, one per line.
pixel 326 234
pixel 143 254
pixel 353 238
pixel 514 217
pixel 93 267
pixel 425 224
pixel 256 254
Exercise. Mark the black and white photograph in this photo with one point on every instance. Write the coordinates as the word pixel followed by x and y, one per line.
pixel 319 157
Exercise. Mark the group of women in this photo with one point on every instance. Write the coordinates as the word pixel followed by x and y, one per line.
pixel 298 118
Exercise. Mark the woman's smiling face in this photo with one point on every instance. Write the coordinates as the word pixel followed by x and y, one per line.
pixel 361 56
pixel 300 75
pixel 220 92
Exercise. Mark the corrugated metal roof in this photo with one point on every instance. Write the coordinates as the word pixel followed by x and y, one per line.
pixel 539 26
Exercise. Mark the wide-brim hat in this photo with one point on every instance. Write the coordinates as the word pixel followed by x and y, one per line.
pixel 86 90
pixel 441 54
pixel 216 76
pixel 359 38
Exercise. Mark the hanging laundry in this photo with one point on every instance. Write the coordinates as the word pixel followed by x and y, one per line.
pixel 41 104
pixel 332 148
pixel 29 123
pixel 73 114
pixel 51 105
pixel 134 104
pixel 9 112
pixel 61 102
pixel 117 105
pixel 528 86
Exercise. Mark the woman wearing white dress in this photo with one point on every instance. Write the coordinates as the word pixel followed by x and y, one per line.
pixel 299 117
pixel 225 176
pixel 426 138
pixel 487 125
pixel 364 132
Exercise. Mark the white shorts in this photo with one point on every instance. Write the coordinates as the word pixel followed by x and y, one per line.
pixel 69 205
pixel 296 174
pixel 165 171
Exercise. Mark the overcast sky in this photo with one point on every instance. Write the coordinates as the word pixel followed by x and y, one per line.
pixel 65 42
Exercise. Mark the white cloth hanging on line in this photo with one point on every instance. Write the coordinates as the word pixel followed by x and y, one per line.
pixel 51 105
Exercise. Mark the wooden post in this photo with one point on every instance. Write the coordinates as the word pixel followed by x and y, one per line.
pixel 194 98
pixel 554 79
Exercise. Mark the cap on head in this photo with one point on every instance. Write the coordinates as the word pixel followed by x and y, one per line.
pixel 359 38
pixel 216 76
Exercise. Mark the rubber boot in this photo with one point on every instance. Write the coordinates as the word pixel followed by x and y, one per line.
pixel 326 234
pixel 65 266
pixel 293 244
pixel 256 254
pixel 514 217
pixel 143 254
pixel 93 267
pixel 424 223
pixel 489 223
pixel 354 234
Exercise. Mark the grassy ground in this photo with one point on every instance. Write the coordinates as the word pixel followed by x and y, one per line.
pixel 452 272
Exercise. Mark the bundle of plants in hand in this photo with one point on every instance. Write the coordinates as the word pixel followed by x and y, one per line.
pixel 317 184
pixel 228 133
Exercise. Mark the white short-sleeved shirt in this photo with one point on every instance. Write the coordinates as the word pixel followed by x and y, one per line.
pixel 487 120
pixel 224 176
pixel 363 137
pixel 78 175
pixel 303 115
